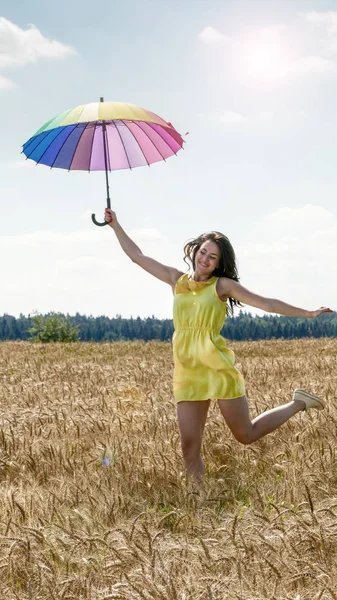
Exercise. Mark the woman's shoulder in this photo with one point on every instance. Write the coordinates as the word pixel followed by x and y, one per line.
pixel 228 287
pixel 179 276
pixel 224 287
pixel 181 284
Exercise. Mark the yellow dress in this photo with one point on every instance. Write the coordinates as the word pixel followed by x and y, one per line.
pixel 203 365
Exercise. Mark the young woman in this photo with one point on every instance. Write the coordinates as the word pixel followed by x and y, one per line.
pixel 204 366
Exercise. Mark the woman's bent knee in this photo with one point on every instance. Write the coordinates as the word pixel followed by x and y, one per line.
pixel 244 437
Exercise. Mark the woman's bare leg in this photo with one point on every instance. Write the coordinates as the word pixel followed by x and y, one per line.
pixel 191 420
pixel 236 415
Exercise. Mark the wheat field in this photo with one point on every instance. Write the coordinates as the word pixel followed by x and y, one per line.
pixel 94 503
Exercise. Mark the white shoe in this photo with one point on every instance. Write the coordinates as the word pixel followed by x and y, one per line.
pixel 309 400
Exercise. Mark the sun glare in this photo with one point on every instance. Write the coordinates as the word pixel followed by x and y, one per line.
pixel 261 60
pixel 264 55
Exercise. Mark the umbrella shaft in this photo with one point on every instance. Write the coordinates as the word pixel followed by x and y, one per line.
pixel 107 189
pixel 106 165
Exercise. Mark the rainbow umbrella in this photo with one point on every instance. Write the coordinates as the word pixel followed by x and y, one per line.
pixel 103 136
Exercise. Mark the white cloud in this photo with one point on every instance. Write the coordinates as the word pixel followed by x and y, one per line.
pixel 326 23
pixel 266 116
pixel 304 231
pixel 39 238
pixel 21 164
pixel 84 263
pixel 300 221
pixel 19 46
pixel 6 84
pixel 330 47
pixel 209 35
pixel 228 117
pixel 147 235
pixel 83 271
pixel 82 237
pixel 308 65
pixel 327 20
pixel 293 254
pixel 256 119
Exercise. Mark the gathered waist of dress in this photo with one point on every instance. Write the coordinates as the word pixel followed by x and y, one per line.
pixel 214 329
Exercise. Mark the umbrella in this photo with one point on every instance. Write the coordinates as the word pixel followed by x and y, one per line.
pixel 103 136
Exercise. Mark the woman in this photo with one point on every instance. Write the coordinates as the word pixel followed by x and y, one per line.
pixel 204 366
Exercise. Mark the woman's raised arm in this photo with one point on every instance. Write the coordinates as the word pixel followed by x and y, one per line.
pixel 232 289
pixel 164 273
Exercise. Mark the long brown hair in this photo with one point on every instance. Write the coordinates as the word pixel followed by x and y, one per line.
pixel 227 262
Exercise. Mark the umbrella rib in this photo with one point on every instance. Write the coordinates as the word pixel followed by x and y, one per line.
pixel 151 141
pixel 120 137
pixel 134 137
pixel 78 141
pixel 106 146
pixel 92 143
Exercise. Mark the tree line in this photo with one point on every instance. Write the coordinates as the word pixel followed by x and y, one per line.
pixel 244 326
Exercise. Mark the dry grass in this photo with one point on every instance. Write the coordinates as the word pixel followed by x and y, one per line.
pixel 263 527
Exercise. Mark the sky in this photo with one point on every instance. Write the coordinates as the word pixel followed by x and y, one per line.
pixel 254 83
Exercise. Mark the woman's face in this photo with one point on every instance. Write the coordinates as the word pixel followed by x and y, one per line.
pixel 207 258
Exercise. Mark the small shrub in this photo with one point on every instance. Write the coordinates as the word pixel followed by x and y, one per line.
pixel 53 328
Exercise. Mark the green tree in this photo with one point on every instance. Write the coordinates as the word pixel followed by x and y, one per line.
pixel 53 328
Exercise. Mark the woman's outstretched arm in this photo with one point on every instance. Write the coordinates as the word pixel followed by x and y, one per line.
pixel 164 273
pixel 232 289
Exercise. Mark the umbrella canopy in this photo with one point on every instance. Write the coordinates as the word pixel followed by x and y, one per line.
pixel 79 139
pixel 103 136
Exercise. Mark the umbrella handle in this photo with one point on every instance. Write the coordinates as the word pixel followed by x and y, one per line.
pixel 93 218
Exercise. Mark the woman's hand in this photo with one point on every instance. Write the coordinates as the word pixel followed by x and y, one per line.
pixel 316 313
pixel 110 218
